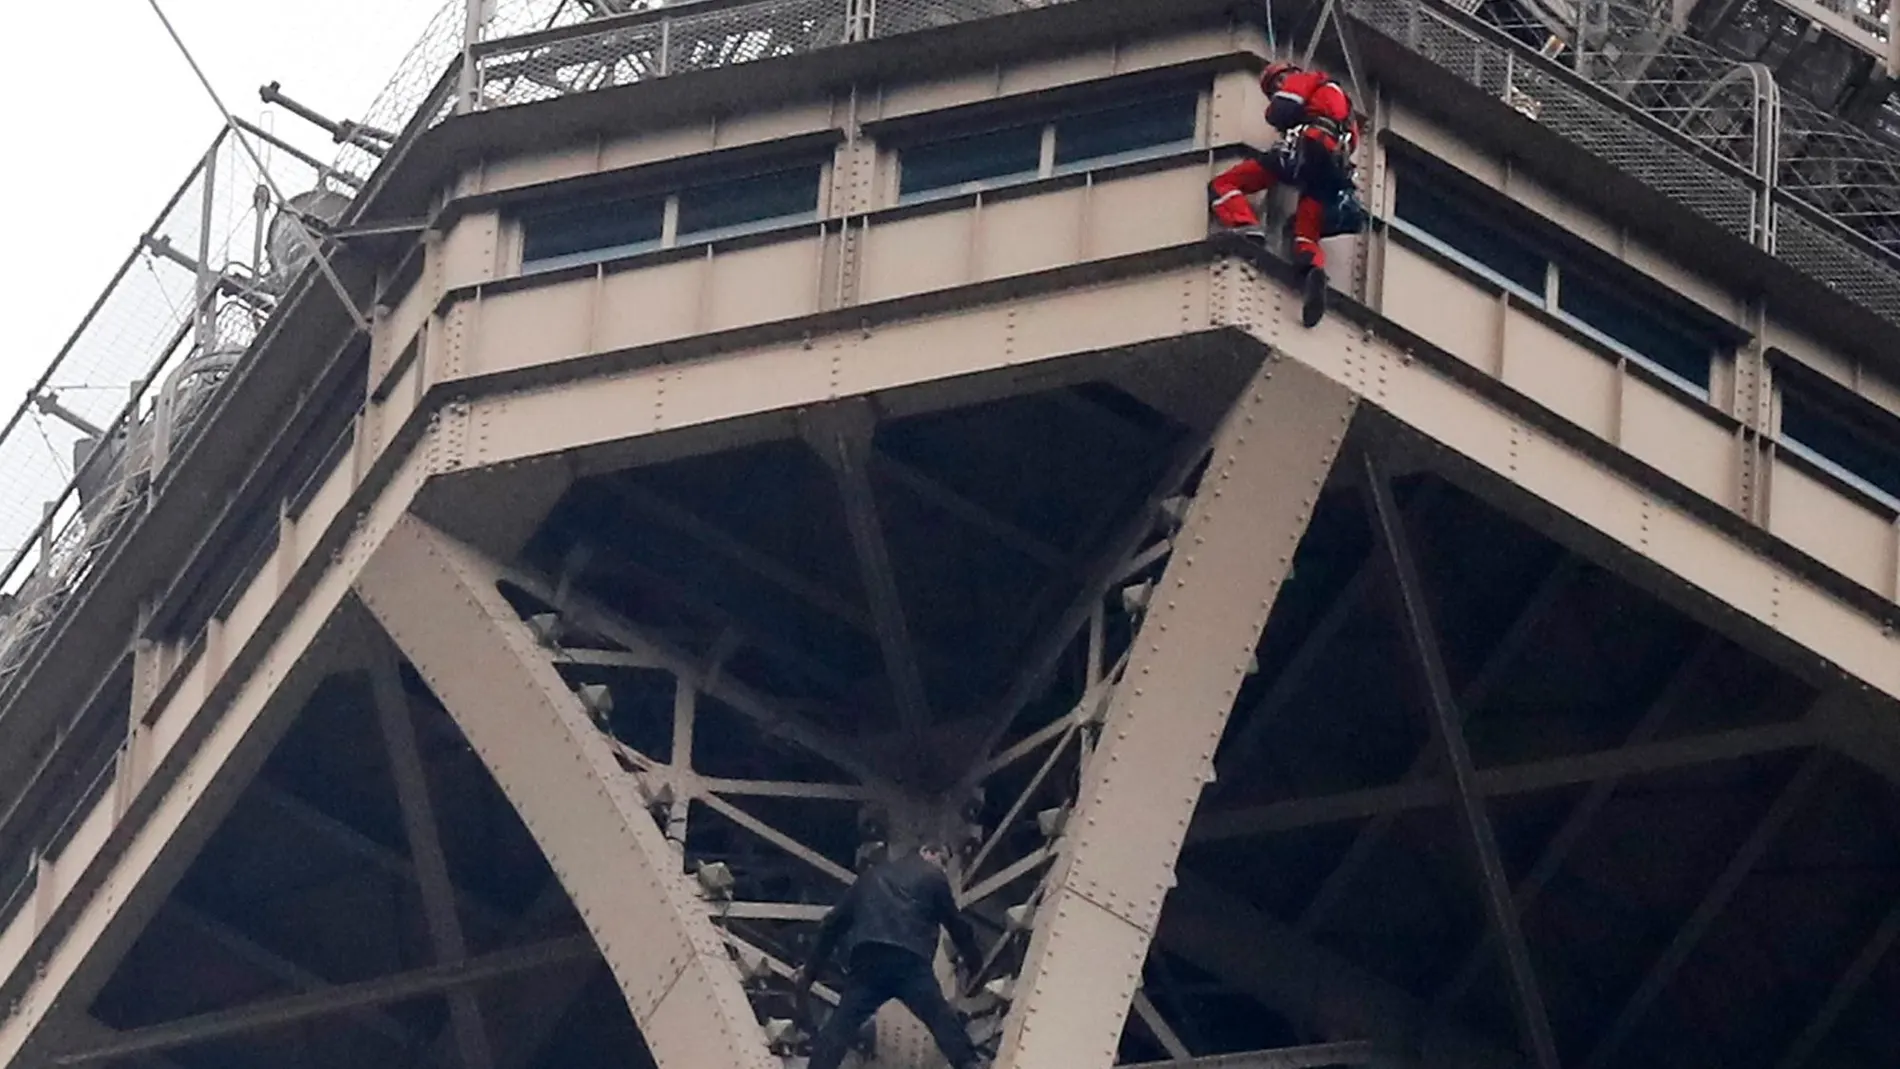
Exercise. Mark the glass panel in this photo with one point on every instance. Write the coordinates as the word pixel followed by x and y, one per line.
pixel 1843 448
pixel 1458 227
pixel 967 161
pixel 597 231
pixel 1651 332
pixel 1148 127
pixel 748 203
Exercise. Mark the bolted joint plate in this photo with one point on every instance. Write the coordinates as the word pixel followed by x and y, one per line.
pixel 1167 714
pixel 439 602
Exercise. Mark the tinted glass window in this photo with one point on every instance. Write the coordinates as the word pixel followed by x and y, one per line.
pixel 1162 123
pixel 1462 229
pixel 1651 331
pixel 1852 448
pixel 783 195
pixel 1003 154
pixel 593 231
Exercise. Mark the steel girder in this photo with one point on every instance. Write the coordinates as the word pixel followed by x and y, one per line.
pixel 1103 898
pixel 439 601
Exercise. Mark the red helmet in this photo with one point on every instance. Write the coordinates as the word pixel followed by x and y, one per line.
pixel 1275 73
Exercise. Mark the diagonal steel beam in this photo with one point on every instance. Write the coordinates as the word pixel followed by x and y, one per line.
pixel 440 602
pixel 1370 837
pixel 343 998
pixel 394 715
pixel 592 615
pixel 1317 1056
pixel 1256 726
pixel 1140 785
pixel 1314 988
pixel 89 1031
pixel 1579 819
pixel 1448 722
pixel 677 516
pixel 949 501
pixel 283 969
pixel 349 838
pixel 841 435
pixel 1689 936
pixel 1046 648
pixel 527 1013
pixel 1159 1028
pixel 1845 990
pixel 1246 821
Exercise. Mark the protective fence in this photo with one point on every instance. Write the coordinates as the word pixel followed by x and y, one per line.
pixel 1717 136
pixel 128 387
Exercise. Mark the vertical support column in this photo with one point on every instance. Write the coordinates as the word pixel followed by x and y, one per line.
pixel 1448 723
pixel 439 601
pixel 1753 406
pixel 1166 717
pixel 469 81
pixel 853 195
pixel 425 850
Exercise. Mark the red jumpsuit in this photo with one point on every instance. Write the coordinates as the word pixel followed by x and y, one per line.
pixel 1315 106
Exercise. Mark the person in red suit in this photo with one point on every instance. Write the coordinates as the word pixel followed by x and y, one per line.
pixel 1314 155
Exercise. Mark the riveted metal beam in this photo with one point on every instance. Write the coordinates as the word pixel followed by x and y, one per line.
pixel 1689 936
pixel 1316 1056
pixel 1579 820
pixel 439 601
pixel 1366 844
pixel 1313 987
pixel 1448 720
pixel 1242 822
pixel 343 998
pixel 397 719
pixel 1802 1050
pixel 841 435
pixel 1140 786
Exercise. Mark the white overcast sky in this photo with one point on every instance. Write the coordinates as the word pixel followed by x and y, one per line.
pixel 106 118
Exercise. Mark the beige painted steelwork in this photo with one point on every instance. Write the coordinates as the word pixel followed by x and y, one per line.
pixel 479 379
pixel 439 602
pixel 1098 908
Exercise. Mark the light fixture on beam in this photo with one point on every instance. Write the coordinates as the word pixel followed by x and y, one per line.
pixel 781 1035
pixel 547 629
pixel 1021 916
pixel 1051 821
pixel 986 1028
pixel 716 880
pixel 754 966
pixel 598 700
pixel 1175 510
pixel 1135 598
pixel 655 793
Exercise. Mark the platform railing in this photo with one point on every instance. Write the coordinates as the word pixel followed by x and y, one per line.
pixel 1817 194
pixel 1794 182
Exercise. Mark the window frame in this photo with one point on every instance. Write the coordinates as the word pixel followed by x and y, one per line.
pixel 1564 258
pixel 1855 416
pixel 522 214
pixel 1045 117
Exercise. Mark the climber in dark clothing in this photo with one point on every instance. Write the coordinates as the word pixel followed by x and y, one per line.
pixel 888 924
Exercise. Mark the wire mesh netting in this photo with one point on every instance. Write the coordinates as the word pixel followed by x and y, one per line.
pixel 128 385
pixel 1695 119
pixel 1688 121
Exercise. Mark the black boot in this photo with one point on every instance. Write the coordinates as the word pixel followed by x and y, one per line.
pixel 1313 293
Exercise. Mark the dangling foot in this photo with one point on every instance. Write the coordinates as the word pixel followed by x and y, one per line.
pixel 1313 296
